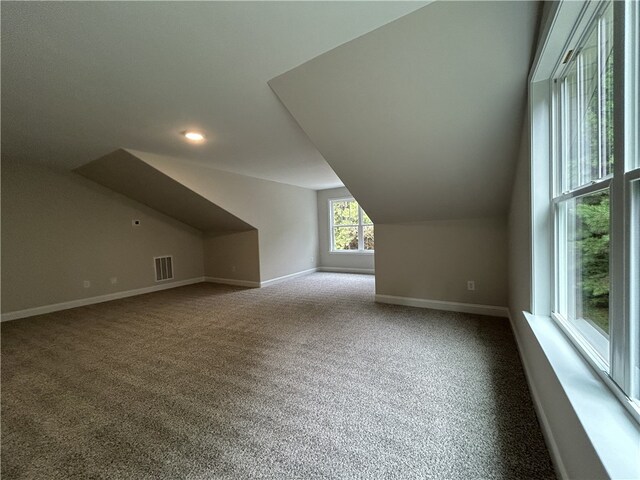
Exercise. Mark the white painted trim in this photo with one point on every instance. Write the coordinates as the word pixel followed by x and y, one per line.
pixel 360 226
pixel 352 252
pixel 30 312
pixel 273 281
pixel 367 271
pixel 613 433
pixel 547 432
pixel 264 283
pixel 231 281
pixel 492 310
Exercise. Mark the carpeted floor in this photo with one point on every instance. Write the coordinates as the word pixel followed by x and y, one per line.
pixel 304 379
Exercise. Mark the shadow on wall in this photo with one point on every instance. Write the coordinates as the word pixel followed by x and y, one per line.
pixel 232 255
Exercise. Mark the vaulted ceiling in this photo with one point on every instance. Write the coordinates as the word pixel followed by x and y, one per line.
pixel 421 118
pixel 417 110
pixel 126 173
pixel 81 79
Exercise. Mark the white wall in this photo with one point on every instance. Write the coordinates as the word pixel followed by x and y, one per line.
pixel 357 262
pixel 566 438
pixel 520 232
pixel 420 118
pixel 232 256
pixel 434 260
pixel 59 229
pixel 285 215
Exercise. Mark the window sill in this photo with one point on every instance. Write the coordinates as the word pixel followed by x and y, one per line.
pixel 611 429
pixel 350 252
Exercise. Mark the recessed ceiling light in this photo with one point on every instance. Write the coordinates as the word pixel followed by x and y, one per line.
pixel 193 136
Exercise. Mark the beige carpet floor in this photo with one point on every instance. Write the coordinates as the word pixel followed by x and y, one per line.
pixel 304 379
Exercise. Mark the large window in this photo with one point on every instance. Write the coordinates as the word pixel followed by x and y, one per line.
pixel 632 191
pixel 596 191
pixel 351 227
pixel 584 167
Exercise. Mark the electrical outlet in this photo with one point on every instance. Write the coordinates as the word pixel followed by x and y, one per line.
pixel 471 285
pixel 233 268
pixel 313 259
pixel 86 284
pixel 114 280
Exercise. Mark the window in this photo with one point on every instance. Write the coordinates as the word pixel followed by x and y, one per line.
pixel 351 227
pixel 595 193
pixel 584 166
pixel 634 292
pixel 632 191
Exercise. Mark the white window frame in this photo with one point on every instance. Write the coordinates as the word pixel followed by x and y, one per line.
pixel 594 343
pixel 572 20
pixel 631 197
pixel 361 250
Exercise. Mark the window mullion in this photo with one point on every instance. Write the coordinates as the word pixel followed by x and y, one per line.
pixel 632 175
pixel 560 169
pixel 560 300
pixel 582 150
pixel 619 328
pixel 563 170
pixel 584 190
pixel 632 283
pixel 602 125
pixel 360 230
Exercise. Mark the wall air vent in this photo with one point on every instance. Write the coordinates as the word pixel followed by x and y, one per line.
pixel 164 268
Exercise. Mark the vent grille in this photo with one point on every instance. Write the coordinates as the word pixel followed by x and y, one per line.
pixel 164 268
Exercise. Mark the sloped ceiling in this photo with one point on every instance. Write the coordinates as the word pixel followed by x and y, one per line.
pixel 127 174
pixel 81 79
pixel 421 118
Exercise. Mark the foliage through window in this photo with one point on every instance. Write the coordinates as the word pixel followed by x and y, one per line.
pixel 582 201
pixel 351 227
pixel 596 191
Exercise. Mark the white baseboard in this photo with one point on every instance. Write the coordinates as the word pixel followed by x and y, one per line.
pixel 254 284
pixel 273 281
pixel 448 306
pixel 368 271
pixel 30 312
pixel 547 432
pixel 231 281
